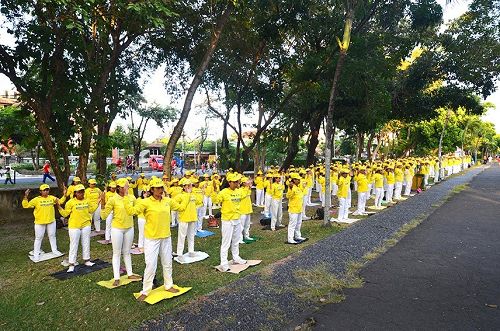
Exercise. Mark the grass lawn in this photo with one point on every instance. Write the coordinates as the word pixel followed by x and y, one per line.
pixel 32 300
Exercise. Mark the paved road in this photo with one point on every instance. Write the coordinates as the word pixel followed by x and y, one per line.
pixel 443 275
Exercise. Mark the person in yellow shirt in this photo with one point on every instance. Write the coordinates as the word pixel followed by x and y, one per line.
pixel 188 216
pixel 45 219
pixel 207 187
pixel 69 190
pixel 80 212
pixel 389 176
pixel 408 179
pixel 172 192
pixel 230 199
pixel 379 188
pixel 344 184
pixel 267 196
pixel 259 189
pixel 305 189
pixel 157 236
pixel 200 210
pixel 246 207
pixel 322 184
pixel 398 177
pixel 93 193
pixel 310 182
pixel 141 183
pixel 111 191
pixel 141 220
pixel 362 189
pixel 295 196
pixel 277 189
pixel 122 229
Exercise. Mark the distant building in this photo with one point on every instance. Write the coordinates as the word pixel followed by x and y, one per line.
pixel 8 99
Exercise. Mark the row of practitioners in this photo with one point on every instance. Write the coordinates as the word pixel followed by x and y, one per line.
pixel 154 211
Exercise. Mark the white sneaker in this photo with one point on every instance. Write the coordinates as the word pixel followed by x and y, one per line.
pixel 306 218
pixel 240 261
pixel 192 254
pixel 71 268
pixel 36 258
pixel 180 258
pixel 56 253
pixel 224 268
pixel 292 242
pixel 89 264
pixel 241 242
pixel 333 219
pixel 301 238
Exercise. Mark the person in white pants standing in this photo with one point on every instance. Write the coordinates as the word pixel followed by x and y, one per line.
pixel 246 209
pixel 305 189
pixel 362 188
pixel 379 187
pixel 259 189
pixel 344 184
pixel 277 189
pixel 295 196
pixel 157 236
pixel 80 213
pixel 93 193
pixel 230 198
pixel 267 196
pixel 188 216
pixel 141 220
pixel 110 192
pixel 45 219
pixel 122 230
pixel 207 187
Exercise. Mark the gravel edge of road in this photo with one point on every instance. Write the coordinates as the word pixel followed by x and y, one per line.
pixel 266 300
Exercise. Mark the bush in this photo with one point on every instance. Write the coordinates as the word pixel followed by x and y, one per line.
pixel 22 166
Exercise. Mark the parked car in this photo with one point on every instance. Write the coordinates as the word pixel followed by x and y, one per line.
pixel 157 164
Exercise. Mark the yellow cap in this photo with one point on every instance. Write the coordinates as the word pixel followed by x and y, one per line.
pixel 233 177
pixel 112 185
pixel 121 182
pixel 295 176
pixel 142 175
pixel 76 179
pixel 44 187
pixel 156 183
pixel 92 181
pixel 185 181
pixel 243 179
pixel 79 187
pixel 129 178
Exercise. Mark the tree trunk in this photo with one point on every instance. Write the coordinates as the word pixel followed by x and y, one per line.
pixel 33 160
pixel 293 145
pixel 344 45
pixel 176 134
pixel 315 125
pixel 360 141
pixel 369 145
pixel 83 155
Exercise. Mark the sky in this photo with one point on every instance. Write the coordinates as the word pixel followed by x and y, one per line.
pixel 155 93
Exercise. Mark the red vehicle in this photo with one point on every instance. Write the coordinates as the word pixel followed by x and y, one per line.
pixel 156 163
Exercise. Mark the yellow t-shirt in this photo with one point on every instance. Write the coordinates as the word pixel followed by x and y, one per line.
pixel 362 183
pixel 121 219
pixel 79 212
pixel 44 208
pixel 246 202
pixel 295 199
pixel 259 182
pixel 277 190
pixel 156 213
pixel 379 180
pixel 92 194
pixel 187 206
pixel 231 201
pixel 344 184
pixel 390 178
pixel 398 175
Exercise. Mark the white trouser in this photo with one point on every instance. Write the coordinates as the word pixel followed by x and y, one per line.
pixel 140 225
pixel 408 187
pixel 174 216
pixel 426 180
pixel 200 212
pixel 398 187
pixel 318 187
pixel 369 193
pixel 231 235
pixel 96 216
pixel 259 197
pixel 245 225
pixel 122 239
pixel 207 205
pixel 322 198
pixel 389 193
pixel 335 189
pixel 309 192
pixel 304 204
pixel 355 186
pixel 267 203
pixel 276 213
pixel 361 202
pixel 74 240
pixel 40 232
pixel 153 247
pixel 343 209
pixel 348 200
pixel 107 233
pixel 186 229
pixel 292 225
pixel 379 194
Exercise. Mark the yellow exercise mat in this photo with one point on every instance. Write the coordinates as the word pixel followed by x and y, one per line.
pixel 377 208
pixel 124 280
pixel 237 268
pixel 159 294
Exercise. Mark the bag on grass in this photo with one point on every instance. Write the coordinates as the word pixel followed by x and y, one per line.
pixel 212 222
pixel 320 213
pixel 265 221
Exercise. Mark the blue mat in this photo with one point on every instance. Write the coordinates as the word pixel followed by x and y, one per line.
pixel 204 233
